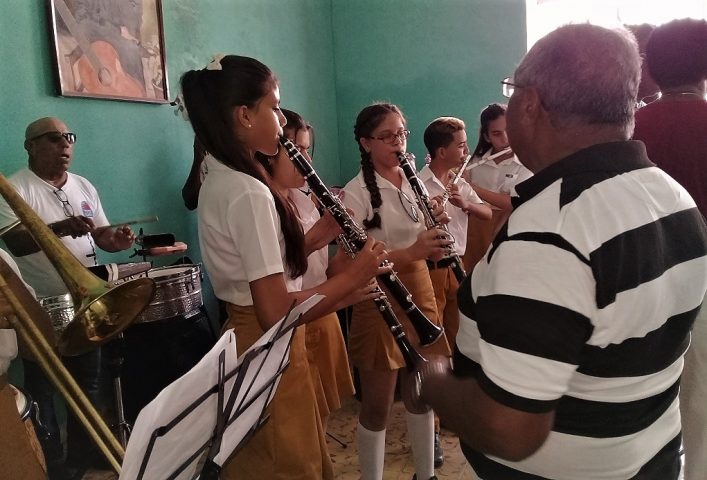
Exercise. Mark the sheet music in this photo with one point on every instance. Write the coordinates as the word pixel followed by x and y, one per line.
pixel 196 428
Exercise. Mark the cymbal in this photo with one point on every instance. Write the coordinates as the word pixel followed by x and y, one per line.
pixel 106 317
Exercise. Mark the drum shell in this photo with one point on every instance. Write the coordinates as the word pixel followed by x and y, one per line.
pixel 178 292
pixel 29 416
pixel 60 309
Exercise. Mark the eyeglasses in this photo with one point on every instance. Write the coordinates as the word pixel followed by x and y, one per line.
pixel 408 206
pixel 390 138
pixel 56 137
pixel 508 87
pixel 68 208
pixel 69 212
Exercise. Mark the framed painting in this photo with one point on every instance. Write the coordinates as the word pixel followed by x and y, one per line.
pixel 111 49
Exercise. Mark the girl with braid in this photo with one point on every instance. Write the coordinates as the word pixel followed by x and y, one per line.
pixel 381 199
pixel 253 249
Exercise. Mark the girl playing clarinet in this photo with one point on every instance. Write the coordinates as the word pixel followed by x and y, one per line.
pixel 253 249
pixel 381 199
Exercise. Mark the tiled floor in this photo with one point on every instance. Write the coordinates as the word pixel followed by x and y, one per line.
pixel 398 456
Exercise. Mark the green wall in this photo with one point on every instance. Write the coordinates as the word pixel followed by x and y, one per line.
pixel 433 57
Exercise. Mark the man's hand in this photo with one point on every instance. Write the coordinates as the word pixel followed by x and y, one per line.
pixel 114 240
pixel 75 227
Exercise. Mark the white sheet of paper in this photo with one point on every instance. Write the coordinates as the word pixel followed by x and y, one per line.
pixel 194 430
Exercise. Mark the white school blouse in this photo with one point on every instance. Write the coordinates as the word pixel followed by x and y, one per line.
pixel 318 261
pixel 239 234
pixel 398 229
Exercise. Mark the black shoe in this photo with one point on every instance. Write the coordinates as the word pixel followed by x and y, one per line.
pixel 439 454
pixel 433 477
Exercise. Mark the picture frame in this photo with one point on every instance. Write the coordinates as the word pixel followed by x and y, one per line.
pixel 109 50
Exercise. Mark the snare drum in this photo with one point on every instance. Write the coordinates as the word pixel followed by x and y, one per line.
pixel 178 292
pixel 29 416
pixel 60 309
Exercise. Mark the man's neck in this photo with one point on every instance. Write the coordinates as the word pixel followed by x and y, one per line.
pixel 57 179
pixel 440 171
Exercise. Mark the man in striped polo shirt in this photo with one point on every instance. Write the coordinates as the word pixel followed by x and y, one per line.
pixel 574 324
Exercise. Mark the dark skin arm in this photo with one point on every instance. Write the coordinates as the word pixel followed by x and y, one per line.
pixel 20 242
pixel 481 422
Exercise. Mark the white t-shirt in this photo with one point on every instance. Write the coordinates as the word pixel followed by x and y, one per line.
pixel 36 268
pixel 398 229
pixel 239 234
pixel 498 177
pixel 8 338
pixel 318 261
pixel 458 220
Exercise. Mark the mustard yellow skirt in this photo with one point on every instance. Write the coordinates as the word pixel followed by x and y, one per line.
pixel 291 444
pixel 328 363
pixel 372 346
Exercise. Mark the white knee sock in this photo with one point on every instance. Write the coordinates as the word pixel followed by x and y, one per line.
pixel 371 453
pixel 421 429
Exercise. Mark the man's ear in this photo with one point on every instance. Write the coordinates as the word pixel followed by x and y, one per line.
pixel 530 105
pixel 440 153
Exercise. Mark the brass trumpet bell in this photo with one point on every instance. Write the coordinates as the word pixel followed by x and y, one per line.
pixel 103 312
pixel 104 317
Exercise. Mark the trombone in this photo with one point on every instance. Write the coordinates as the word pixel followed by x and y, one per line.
pixel 102 313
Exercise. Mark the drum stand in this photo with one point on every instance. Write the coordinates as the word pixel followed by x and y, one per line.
pixel 116 358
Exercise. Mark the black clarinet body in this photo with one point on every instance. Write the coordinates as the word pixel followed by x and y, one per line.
pixel 423 200
pixel 352 240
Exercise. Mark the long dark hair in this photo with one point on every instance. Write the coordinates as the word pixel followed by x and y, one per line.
pixel 488 115
pixel 368 120
pixel 210 97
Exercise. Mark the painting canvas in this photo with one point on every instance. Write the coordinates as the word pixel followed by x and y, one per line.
pixel 111 49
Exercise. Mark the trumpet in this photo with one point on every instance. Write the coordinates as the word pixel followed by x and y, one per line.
pixel 103 312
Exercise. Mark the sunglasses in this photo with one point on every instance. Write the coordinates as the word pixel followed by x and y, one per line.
pixel 56 137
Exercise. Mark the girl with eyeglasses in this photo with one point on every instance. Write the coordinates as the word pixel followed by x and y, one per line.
pixel 380 198
pixel 253 248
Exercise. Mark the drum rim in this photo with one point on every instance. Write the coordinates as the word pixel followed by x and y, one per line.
pixel 186 270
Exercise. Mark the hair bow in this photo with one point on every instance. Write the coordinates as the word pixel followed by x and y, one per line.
pixel 216 62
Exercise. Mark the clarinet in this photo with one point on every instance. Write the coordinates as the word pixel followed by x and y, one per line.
pixel 406 163
pixel 351 241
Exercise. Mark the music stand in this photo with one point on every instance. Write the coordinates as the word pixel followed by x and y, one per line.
pixel 213 410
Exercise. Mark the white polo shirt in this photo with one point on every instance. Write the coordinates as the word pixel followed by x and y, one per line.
pixel 498 177
pixel 239 233
pixel 458 219
pixel 36 268
pixel 398 229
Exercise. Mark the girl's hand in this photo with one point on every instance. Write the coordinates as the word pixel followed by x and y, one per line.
pixel 438 212
pixel 367 263
pixel 432 244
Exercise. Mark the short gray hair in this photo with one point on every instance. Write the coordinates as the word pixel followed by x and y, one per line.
pixel 585 74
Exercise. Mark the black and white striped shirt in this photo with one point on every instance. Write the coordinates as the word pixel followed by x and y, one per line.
pixel 583 305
